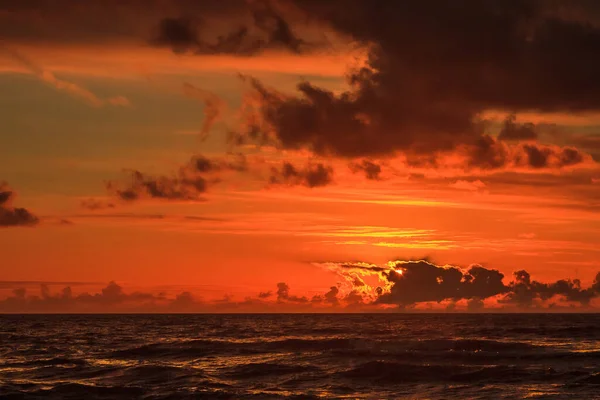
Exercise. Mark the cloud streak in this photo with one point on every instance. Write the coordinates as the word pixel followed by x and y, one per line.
pixel 61 85
pixel 214 107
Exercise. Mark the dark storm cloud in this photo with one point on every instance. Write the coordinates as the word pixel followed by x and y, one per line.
pixel 371 170
pixel 190 181
pixel 13 216
pixel 433 68
pixel 511 130
pixel 312 175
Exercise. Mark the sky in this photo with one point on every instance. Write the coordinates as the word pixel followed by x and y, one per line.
pixel 299 156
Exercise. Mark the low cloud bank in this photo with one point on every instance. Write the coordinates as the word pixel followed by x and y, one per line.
pixel 413 285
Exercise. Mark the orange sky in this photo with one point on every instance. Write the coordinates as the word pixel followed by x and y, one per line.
pixel 79 115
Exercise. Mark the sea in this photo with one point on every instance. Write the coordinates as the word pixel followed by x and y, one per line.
pixel 300 356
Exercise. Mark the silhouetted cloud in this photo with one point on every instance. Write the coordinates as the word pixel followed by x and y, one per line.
pixel 312 175
pixel 25 284
pixel 283 294
pixel 410 283
pixel 13 216
pixel 371 170
pixel 331 295
pixel 190 181
pixel 524 291
pixel 421 281
pixel 433 70
pixel 111 296
pixel 511 130
pixel 491 154
pixel 93 21
pixel 159 187
pixel 267 30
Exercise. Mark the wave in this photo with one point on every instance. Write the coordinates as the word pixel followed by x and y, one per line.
pixel 255 370
pixel 303 357
pixel 189 349
pixel 81 391
pixel 393 372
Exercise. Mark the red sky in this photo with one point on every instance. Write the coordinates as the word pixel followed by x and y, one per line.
pixel 298 156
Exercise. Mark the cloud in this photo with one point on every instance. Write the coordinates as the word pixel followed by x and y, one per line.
pixel 406 285
pixel 259 27
pixel 264 295
pixel 524 291
pixel 13 216
pixel 24 284
pixel 330 297
pixel 111 297
pixel 431 74
pixel 283 294
pixel 371 170
pixel 93 22
pixel 490 154
pixel 114 298
pixel 312 175
pixel 96 204
pixel 416 282
pixel 511 130
pixel 70 88
pixel 159 187
pixel 421 281
pixel 214 107
pixel 190 181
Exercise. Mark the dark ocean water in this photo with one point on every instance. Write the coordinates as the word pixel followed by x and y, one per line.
pixel 426 356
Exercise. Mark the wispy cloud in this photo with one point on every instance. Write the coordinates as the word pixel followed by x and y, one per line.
pixel 70 88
